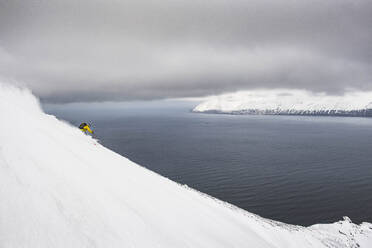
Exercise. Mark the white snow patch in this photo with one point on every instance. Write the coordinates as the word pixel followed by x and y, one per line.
pixel 60 188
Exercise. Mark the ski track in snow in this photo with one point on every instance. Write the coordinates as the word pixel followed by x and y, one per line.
pixel 61 188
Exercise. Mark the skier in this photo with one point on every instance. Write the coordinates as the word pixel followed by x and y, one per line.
pixel 85 128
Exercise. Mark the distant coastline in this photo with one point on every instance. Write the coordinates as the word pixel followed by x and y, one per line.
pixel 288 102
pixel 337 113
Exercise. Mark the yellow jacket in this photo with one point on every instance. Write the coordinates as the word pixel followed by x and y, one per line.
pixel 86 128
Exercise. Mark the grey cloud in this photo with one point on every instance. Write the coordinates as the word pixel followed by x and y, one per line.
pixel 98 50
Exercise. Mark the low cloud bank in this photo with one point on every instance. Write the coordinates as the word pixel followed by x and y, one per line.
pixel 73 51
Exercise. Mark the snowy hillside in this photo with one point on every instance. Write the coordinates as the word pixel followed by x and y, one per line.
pixel 288 102
pixel 60 188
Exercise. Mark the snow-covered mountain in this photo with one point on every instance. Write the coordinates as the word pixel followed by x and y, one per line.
pixel 60 188
pixel 288 102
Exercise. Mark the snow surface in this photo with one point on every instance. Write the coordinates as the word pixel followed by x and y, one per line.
pixel 289 102
pixel 60 188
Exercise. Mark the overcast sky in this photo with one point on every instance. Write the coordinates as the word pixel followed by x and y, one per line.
pixel 98 50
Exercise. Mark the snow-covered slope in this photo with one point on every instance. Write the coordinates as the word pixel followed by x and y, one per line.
pixel 60 188
pixel 289 102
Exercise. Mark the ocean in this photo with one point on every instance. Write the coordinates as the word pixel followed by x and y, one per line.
pixel 296 169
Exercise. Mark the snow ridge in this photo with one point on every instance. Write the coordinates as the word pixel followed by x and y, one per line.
pixel 288 102
pixel 60 188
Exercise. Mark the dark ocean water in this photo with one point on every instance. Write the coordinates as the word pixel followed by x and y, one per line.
pixel 295 169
